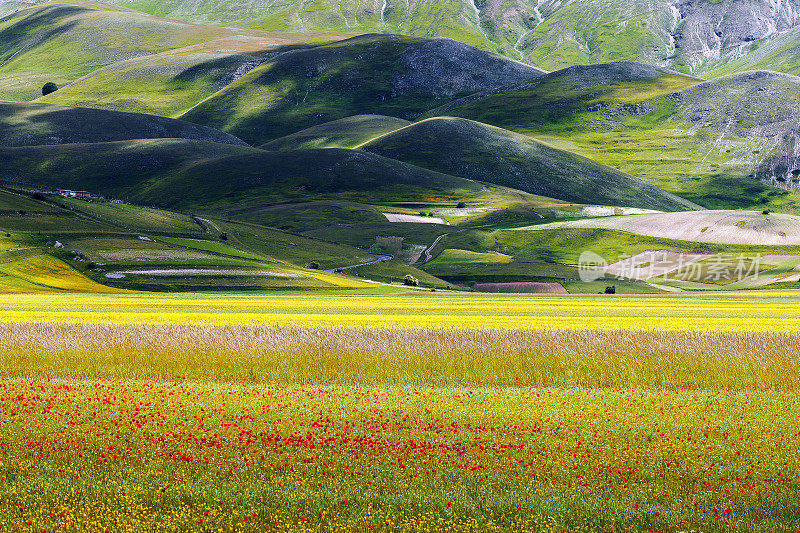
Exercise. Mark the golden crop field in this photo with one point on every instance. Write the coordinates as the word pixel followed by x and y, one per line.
pixel 310 412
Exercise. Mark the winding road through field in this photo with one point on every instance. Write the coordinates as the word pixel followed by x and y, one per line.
pixel 379 258
pixel 429 249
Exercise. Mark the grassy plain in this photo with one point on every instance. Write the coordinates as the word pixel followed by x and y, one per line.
pixel 474 413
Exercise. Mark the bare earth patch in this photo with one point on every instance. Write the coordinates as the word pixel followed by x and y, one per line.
pixel 397 217
pixel 724 226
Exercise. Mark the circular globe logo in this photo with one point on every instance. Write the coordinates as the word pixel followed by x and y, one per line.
pixel 591 266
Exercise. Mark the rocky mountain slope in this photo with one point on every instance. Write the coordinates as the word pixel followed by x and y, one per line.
pixel 694 36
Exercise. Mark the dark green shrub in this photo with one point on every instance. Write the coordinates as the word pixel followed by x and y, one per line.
pixel 49 88
pixel 410 280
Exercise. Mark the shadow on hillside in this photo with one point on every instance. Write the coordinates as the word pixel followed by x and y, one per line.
pixel 35 29
pixel 237 65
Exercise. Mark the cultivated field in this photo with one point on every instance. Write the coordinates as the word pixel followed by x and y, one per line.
pixel 391 412
pixel 721 226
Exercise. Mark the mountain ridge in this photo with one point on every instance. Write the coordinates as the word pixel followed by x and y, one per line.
pixel 695 36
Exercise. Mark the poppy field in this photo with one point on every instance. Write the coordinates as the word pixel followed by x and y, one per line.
pixel 142 456
pixel 129 426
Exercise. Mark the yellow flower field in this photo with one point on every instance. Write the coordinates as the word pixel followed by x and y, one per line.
pixel 757 311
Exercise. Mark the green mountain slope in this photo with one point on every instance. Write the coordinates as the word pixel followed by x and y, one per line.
pixel 760 107
pixel 214 178
pixel 690 35
pixel 781 54
pixel 114 167
pixel 449 18
pixel 27 124
pixel 304 175
pixel 347 132
pixel 61 42
pixel 168 83
pixel 372 74
pixel 714 143
pixel 560 98
pixel 473 150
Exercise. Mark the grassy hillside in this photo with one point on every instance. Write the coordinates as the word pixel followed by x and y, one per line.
pixel 60 42
pixel 110 168
pixel 689 35
pixel 781 54
pixel 21 213
pixel 558 101
pixel 347 132
pixel 133 218
pixel 168 83
pixel 28 124
pixel 305 216
pixel 454 19
pixel 186 175
pixel 372 74
pixel 476 151
pixel 761 107
pixel 303 175
pixel 714 143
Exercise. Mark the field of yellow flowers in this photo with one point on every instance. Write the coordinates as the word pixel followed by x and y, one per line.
pixel 134 416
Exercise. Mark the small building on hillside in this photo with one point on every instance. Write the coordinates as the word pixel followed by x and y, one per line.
pixel 74 194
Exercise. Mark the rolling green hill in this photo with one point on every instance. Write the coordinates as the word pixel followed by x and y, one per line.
pixel 347 132
pixel 122 59
pixel 372 74
pixel 476 151
pixel 303 175
pixel 187 175
pixel 168 83
pixel 445 19
pixel 61 42
pixel 29 124
pixel 562 99
pixel 110 168
pixel 713 143
pixel 760 107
